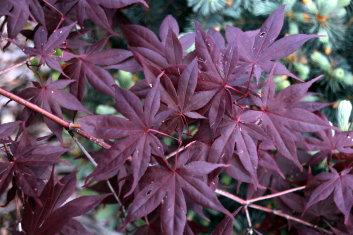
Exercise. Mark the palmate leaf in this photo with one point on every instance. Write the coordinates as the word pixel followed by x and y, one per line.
pixel 283 119
pixel 93 65
pixel 239 134
pixel 134 133
pixel 7 129
pixel 17 13
pixel 258 49
pixel 340 185
pixel 98 11
pixel 218 65
pixel 27 165
pixel 52 217
pixel 166 52
pixel 184 102
pixel 51 97
pixel 169 186
pixel 329 143
pixel 45 46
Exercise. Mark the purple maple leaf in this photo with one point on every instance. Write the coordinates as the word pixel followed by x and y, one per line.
pixel 338 184
pixel 134 133
pixel 258 49
pixel 26 164
pixel 50 97
pixel 169 186
pixel 89 66
pixel 52 216
pixel 45 47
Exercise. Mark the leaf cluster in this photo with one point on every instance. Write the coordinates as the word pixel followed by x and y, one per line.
pixel 217 103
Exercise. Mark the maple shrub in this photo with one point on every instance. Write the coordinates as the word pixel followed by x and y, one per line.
pixel 206 109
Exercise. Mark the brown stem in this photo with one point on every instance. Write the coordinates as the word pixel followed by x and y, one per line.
pixel 63 123
pixel 247 203
pixel 16 65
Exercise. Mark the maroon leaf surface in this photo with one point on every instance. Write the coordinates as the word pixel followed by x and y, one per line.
pixel 169 186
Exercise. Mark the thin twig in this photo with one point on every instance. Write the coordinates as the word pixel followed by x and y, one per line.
pixel 250 229
pixel 289 217
pixel 16 65
pixel 180 150
pixel 61 122
pixel 250 201
pixel 172 154
pixel 265 209
pixel 94 163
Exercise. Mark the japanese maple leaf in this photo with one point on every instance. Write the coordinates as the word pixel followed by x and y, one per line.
pixel 50 97
pixel 169 186
pixel 339 184
pixel 183 102
pixel 17 13
pixel 26 164
pixel 239 133
pixel 168 51
pixel 329 142
pixel 7 129
pixel 88 66
pixel 53 216
pixel 218 65
pixel 96 10
pixel 283 119
pixel 258 50
pixel 44 46
pixel 134 133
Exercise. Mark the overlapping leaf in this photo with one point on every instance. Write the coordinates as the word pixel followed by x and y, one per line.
pixel 45 47
pixel 283 120
pixel 258 50
pixel 218 65
pixel 50 97
pixel 88 66
pixel 240 134
pixel 169 52
pixel 184 102
pixel 328 143
pixel 53 216
pixel 26 165
pixel 169 186
pixel 340 185
pixel 98 10
pixel 134 133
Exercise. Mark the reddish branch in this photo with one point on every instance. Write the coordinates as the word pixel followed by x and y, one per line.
pixel 68 125
pixel 248 203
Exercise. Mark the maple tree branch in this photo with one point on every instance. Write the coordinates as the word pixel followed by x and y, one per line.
pixel 172 154
pixel 68 125
pixel 248 203
pixel 94 163
pixel 16 65
pixel 250 229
